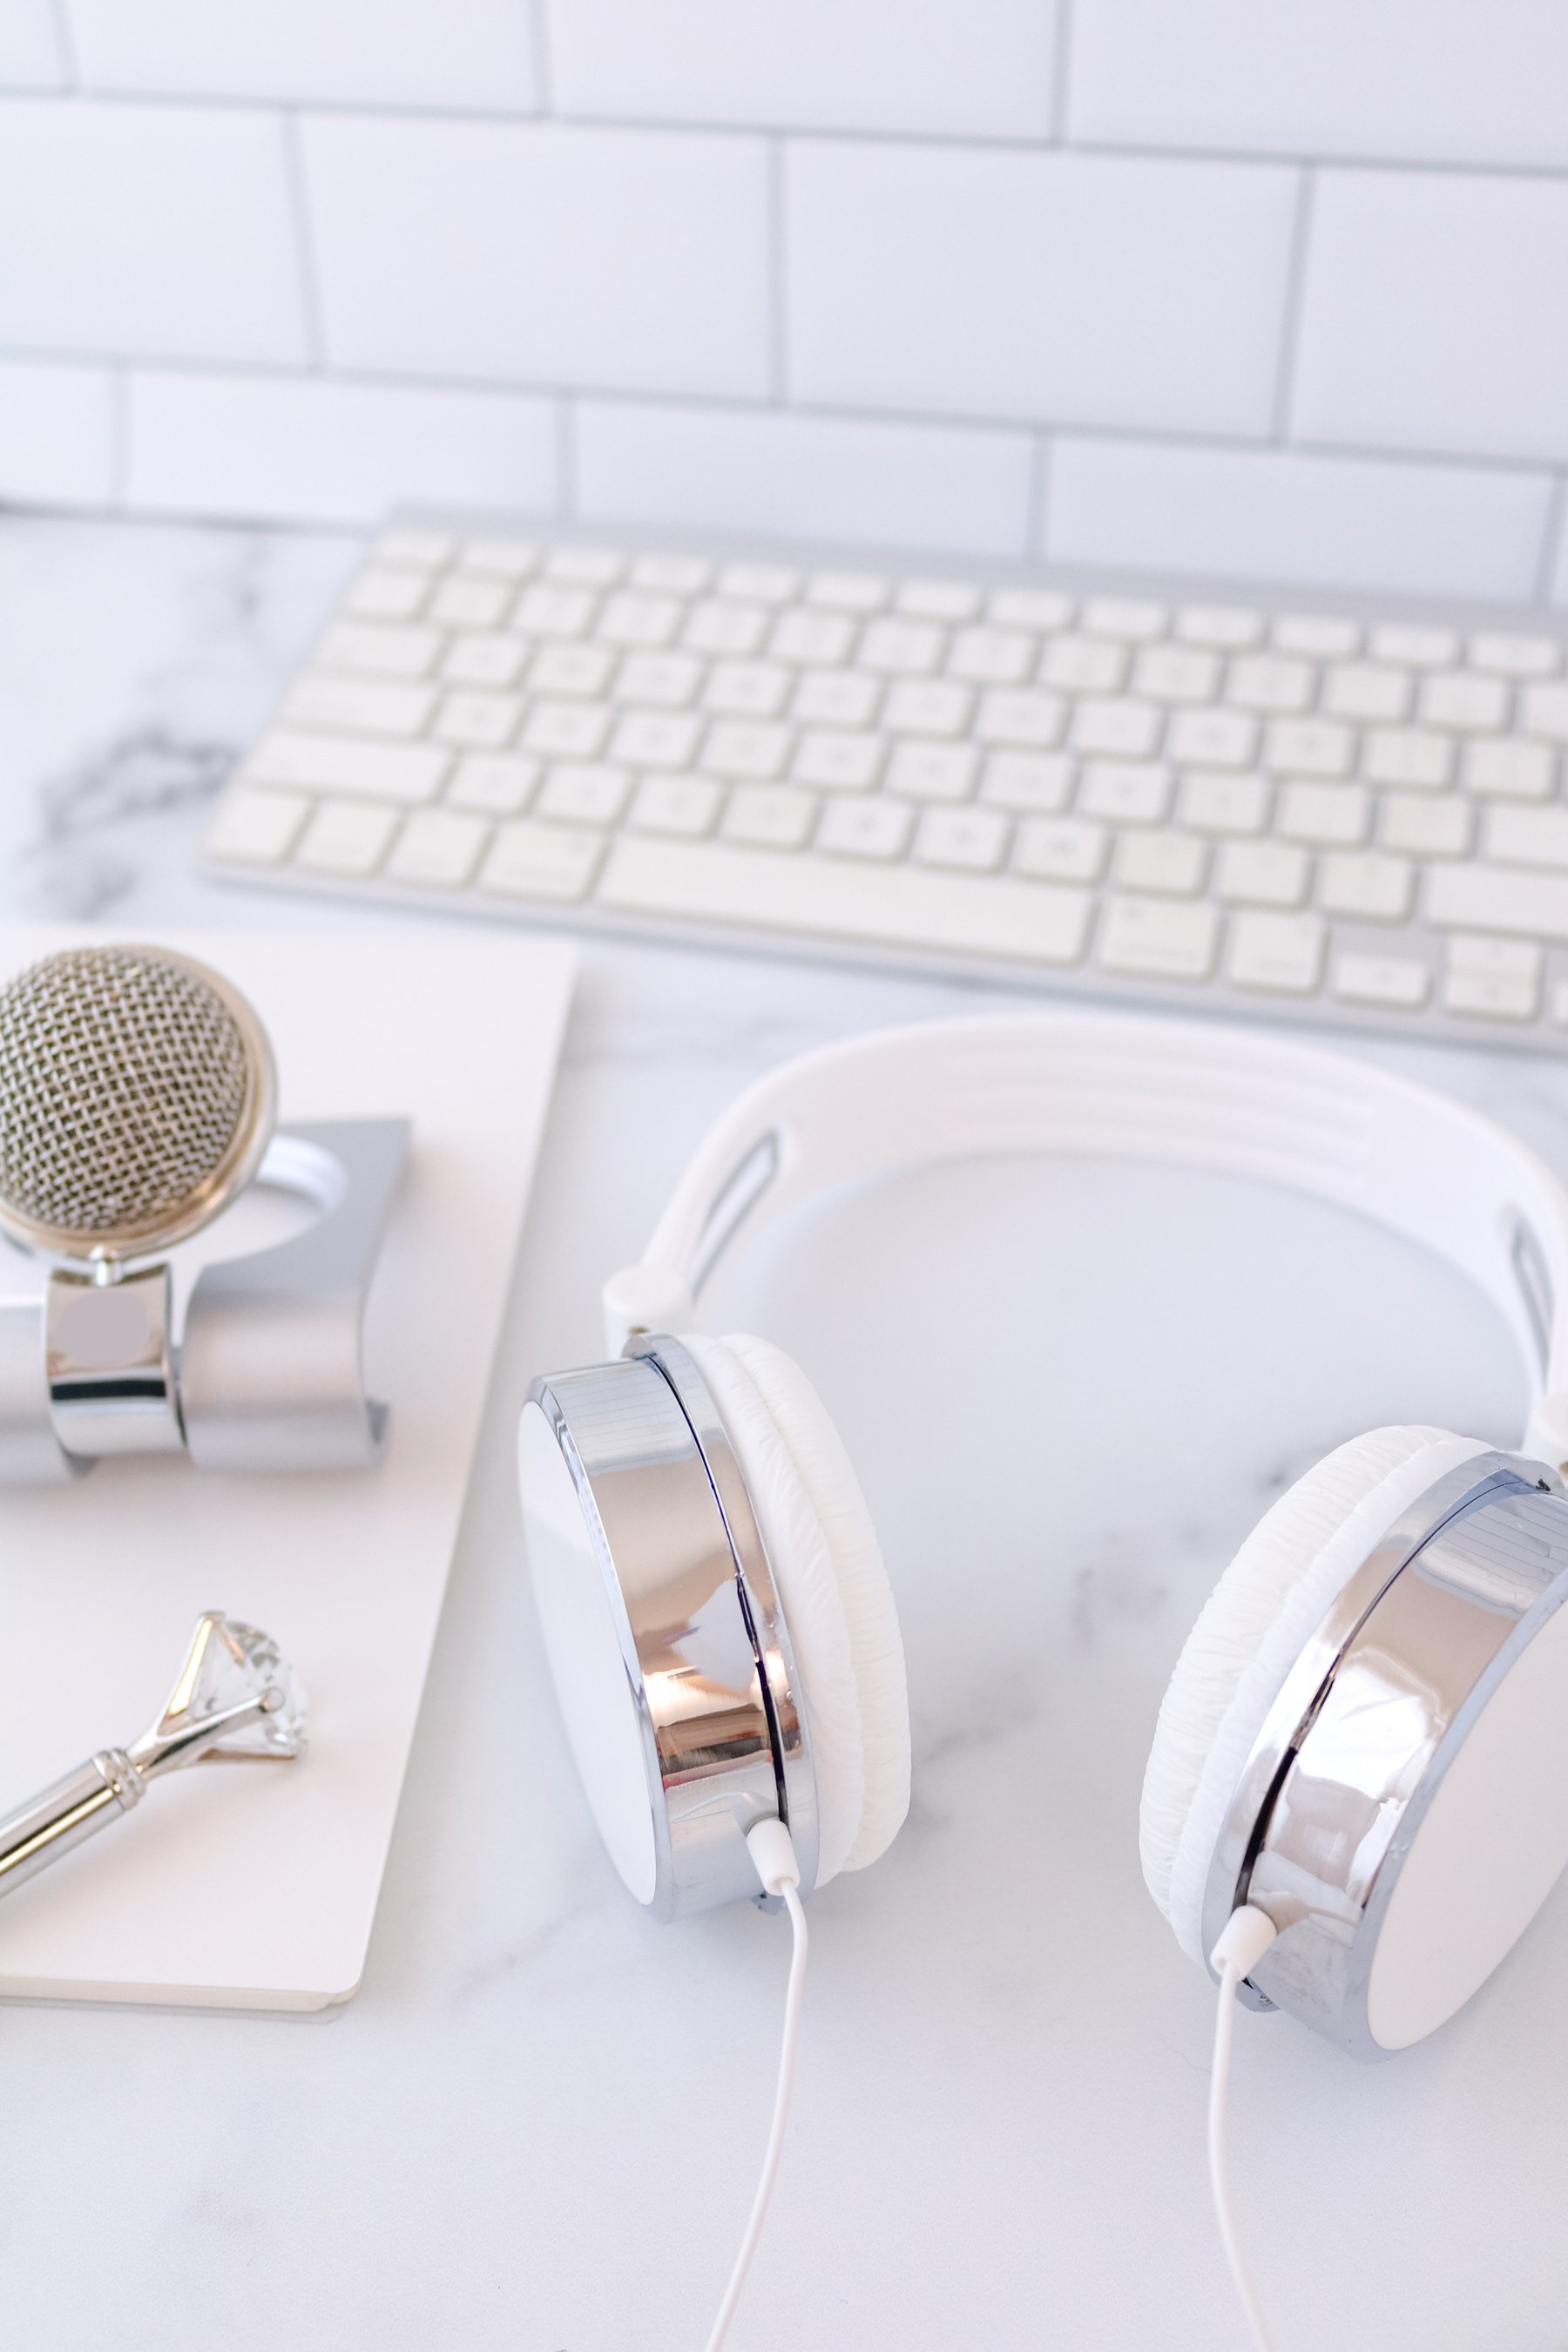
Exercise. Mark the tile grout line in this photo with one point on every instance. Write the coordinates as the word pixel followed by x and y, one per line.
pixel 538 45
pixel 65 41
pixel 310 303
pixel 1295 298
pixel 777 272
pixel 1551 541
pixel 1061 69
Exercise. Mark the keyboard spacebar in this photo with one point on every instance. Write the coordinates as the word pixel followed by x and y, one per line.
pixel 1036 922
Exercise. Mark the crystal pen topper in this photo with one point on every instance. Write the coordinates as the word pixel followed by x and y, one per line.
pixel 235 1697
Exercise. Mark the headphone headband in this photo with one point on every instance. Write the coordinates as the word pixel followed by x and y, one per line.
pixel 1109 1086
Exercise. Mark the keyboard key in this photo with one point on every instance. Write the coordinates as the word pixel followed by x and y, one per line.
pixel 509 558
pixel 668 681
pixel 720 626
pixel 1498 898
pixel 408 772
pixel 747 690
pixel 1308 747
pixel 1493 980
pixel 439 849
pixel 583 792
pixel 1398 980
pixel 1516 656
pixel 902 648
pixel 543 612
pixel 803 637
pixel 1170 864
pixel 257 828
pixel 580 672
pixel 1127 729
pixel 492 660
pixel 897 906
pixel 1125 616
pixel 1030 608
pixel 932 772
pixel 1543 710
pixel 839 761
pixel 1224 804
pixel 1083 665
pixel 848 592
pixel 1423 826
pixel 1420 649
pixel 358 706
pixel 969 840
pixel 646 621
pixel 1158 938
pixel 1407 755
pixel 656 739
pixel 1228 626
pixel 427 550
pixel 493 784
pixel 841 697
pixel 385 592
pixel 592 567
pixel 1212 738
pixel 1322 637
pixel 870 828
pixel 1125 792
pixel 991 656
pixel 1280 952
pixel 469 604
pixel 758 584
pixel 1176 674
pixel 673 575
pixel 1462 700
pixel 1060 849
pixel 1037 782
pixel 1026 717
pixel 1334 814
pixel 346 837
pixel 1271 682
pixel 484 722
pixel 532 860
pixel 1510 770
pixel 935 707
pixel 770 816
pixel 378 651
pixel 942 600
pixel 1262 874
pixel 1526 836
pixel 734 748
pixel 1372 888
pixel 1365 690
pixel 689 806
pixel 566 731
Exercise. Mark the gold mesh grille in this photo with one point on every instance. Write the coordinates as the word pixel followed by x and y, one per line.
pixel 122 1084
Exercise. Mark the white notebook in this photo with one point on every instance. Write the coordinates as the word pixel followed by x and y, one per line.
pixel 256 1884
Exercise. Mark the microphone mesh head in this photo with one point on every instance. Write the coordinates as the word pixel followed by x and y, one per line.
pixel 135 1092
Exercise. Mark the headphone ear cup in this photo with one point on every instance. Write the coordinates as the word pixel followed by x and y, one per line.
pixel 837 1601
pixel 1252 1630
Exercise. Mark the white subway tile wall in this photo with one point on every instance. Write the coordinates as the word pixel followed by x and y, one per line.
pixel 1188 285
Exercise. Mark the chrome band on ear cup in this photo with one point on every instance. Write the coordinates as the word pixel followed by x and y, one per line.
pixel 1370 1721
pixel 703 1647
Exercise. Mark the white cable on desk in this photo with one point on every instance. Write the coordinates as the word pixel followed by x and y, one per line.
pixel 774 1857
pixel 1247 1935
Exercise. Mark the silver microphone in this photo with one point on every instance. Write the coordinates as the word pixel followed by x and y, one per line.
pixel 137 1099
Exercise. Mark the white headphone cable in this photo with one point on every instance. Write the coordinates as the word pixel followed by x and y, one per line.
pixel 1247 1935
pixel 773 1854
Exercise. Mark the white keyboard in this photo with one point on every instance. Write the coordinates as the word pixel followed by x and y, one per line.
pixel 1321 813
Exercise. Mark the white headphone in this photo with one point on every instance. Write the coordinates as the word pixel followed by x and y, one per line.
pixel 1333 1809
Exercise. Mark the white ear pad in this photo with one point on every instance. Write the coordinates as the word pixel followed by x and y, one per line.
pixel 1252 1630
pixel 837 1604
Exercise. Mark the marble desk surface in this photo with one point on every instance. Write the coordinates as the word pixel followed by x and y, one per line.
pixel 537 2126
